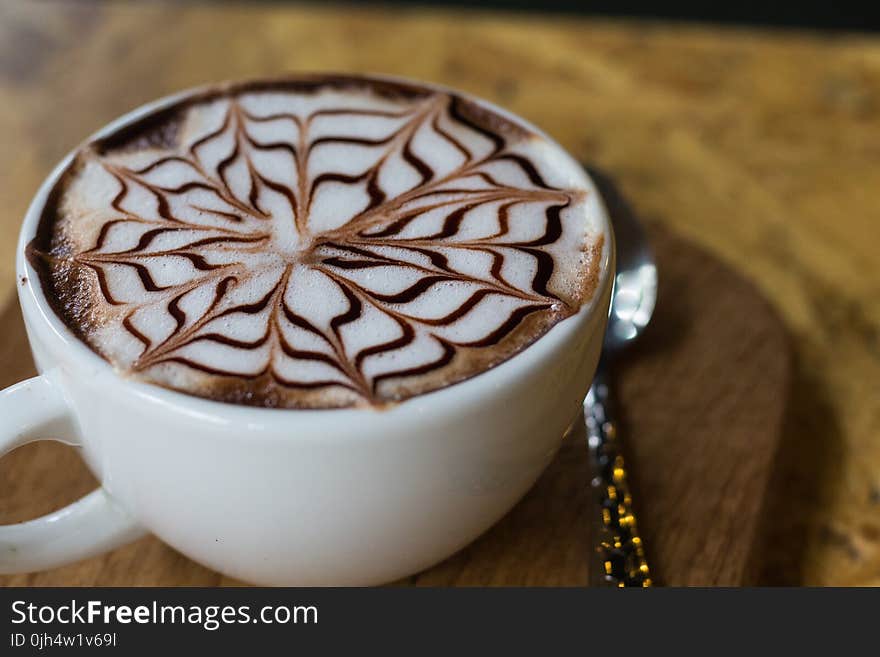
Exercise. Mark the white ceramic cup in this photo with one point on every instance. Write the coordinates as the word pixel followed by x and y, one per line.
pixel 288 497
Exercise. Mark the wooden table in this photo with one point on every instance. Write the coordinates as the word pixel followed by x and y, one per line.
pixel 764 147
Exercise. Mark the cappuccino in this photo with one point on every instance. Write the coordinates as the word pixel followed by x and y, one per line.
pixel 318 242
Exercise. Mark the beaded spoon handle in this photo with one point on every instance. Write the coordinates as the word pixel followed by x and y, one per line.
pixel 619 554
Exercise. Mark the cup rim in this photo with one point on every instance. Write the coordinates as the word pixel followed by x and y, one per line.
pixel 453 397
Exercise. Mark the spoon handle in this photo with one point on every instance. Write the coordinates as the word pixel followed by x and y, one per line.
pixel 619 555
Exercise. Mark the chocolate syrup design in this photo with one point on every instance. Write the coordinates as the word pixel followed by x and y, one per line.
pixel 320 251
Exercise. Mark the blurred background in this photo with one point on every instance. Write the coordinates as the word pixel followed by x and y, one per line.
pixel 749 129
pixel 817 15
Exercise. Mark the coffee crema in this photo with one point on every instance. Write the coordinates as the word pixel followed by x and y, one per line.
pixel 318 242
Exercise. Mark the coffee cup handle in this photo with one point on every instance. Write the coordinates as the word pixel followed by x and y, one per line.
pixel 32 410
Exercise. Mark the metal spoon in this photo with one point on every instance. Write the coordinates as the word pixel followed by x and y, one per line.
pixel 619 554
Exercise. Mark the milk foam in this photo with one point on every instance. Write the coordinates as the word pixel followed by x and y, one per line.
pixel 321 246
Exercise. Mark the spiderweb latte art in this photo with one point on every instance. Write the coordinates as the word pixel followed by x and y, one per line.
pixel 318 243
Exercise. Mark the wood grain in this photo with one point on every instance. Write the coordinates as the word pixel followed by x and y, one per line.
pixel 704 399
pixel 762 146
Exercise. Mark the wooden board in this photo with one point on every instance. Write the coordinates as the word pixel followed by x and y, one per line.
pixel 762 146
pixel 703 397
